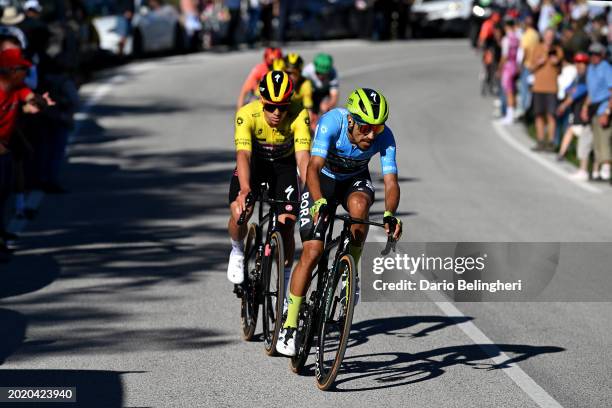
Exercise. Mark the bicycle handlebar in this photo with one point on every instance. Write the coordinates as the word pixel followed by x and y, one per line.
pixel 250 201
pixel 391 243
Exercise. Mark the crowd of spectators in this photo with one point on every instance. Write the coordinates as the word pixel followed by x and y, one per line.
pixel 547 62
pixel 38 99
pixel 232 22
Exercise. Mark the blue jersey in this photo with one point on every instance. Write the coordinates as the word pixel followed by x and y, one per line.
pixel 343 159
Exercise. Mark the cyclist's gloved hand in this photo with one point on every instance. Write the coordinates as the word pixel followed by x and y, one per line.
pixel 316 206
pixel 393 225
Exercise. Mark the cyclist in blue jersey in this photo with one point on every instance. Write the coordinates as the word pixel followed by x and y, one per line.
pixel 345 141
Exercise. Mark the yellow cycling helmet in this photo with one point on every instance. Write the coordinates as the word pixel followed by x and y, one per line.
pixel 276 87
pixel 278 64
pixel 294 61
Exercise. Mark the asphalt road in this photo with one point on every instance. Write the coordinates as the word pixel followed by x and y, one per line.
pixel 120 287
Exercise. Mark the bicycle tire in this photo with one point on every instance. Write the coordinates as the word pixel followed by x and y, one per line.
pixel 330 352
pixel 249 308
pixel 304 337
pixel 273 298
pixel 307 324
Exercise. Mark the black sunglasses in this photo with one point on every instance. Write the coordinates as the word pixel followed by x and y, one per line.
pixel 270 107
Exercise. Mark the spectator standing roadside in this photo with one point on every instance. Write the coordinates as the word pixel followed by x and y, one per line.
pixel 124 25
pixel 564 81
pixel 529 41
pixel 509 68
pixel 19 144
pixel 58 122
pixel 284 12
pixel 14 96
pixel 597 108
pixel 544 64
pixel 599 30
pixel 579 10
pixel 266 13
pixel 233 7
pixel 547 11
pixel 579 41
pixel 191 10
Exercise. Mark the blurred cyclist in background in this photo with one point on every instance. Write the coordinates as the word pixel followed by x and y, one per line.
pixel 272 141
pixel 251 83
pixel 325 85
pixel 302 86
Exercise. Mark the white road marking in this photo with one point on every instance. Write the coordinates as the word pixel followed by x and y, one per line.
pixel 508 138
pixel 516 374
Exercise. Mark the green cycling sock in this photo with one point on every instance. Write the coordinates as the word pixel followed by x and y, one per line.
pixel 293 310
pixel 355 252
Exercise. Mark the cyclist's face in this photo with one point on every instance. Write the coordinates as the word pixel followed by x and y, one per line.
pixel 364 135
pixel 294 74
pixel 274 114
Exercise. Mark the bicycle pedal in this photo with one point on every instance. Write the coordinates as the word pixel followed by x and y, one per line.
pixel 238 291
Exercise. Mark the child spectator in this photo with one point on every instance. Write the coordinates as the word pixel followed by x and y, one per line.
pixel 576 94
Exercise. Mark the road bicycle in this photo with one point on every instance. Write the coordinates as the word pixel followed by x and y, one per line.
pixel 328 310
pixel 264 265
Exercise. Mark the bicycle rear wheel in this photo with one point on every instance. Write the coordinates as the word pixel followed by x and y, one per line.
pixel 335 322
pixel 273 292
pixel 249 306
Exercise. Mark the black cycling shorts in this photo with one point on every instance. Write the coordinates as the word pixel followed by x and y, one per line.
pixel 336 192
pixel 317 97
pixel 280 175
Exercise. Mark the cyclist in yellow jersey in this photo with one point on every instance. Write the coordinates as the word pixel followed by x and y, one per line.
pixel 272 139
pixel 303 87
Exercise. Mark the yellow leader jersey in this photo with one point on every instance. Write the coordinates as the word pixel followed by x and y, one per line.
pixel 303 93
pixel 255 135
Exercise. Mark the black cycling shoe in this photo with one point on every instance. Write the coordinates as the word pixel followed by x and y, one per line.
pixel 238 290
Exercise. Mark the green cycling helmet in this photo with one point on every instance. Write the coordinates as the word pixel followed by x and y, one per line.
pixel 368 106
pixel 323 63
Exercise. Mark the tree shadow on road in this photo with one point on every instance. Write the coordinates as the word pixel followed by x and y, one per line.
pixel 134 222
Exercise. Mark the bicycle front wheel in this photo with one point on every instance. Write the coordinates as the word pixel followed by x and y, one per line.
pixel 274 292
pixel 335 321
pixel 249 308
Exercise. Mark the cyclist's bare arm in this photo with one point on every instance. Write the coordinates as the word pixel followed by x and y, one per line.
pixel 247 87
pixel 302 157
pixel 334 94
pixel 392 194
pixel 243 165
